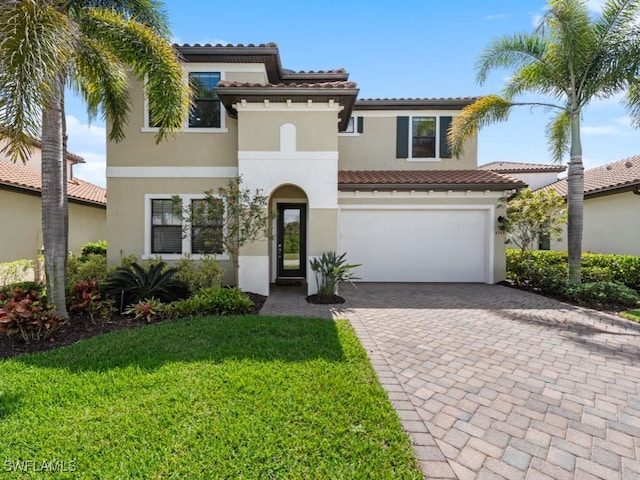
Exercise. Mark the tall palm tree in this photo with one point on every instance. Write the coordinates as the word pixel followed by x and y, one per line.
pixel 571 58
pixel 90 46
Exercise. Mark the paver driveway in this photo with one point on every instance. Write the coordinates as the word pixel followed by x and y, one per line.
pixel 492 382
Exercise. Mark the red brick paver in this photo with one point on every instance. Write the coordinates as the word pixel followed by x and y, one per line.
pixel 492 382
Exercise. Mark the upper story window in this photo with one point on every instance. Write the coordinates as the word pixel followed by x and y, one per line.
pixel 354 127
pixel 422 138
pixel 205 112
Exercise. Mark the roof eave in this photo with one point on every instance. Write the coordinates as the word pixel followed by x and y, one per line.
pixel 480 187
pixel 414 104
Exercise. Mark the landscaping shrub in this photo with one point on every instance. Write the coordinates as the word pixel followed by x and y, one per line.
pixel 89 267
pixel 94 248
pixel 27 314
pixel 150 309
pixel 198 274
pixel 602 293
pixel 7 291
pixel 212 301
pixel 130 285
pixel 12 272
pixel 330 271
pixel 86 298
pixel 526 269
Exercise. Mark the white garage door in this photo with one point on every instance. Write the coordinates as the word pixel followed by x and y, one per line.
pixel 417 245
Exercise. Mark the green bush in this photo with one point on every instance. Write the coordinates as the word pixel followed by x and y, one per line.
pixel 89 267
pixel 94 248
pixel 198 274
pixel 212 301
pixel 130 285
pixel 623 269
pixel 12 272
pixel 602 293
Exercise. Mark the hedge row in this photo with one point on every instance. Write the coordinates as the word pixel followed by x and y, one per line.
pixel 596 267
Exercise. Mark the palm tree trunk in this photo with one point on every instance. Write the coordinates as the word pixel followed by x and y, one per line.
pixel 54 201
pixel 575 201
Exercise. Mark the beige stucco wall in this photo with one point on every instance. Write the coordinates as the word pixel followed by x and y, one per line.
pixel 316 130
pixel 125 212
pixel 192 148
pixel 375 148
pixel 611 225
pixel 86 224
pixel 322 228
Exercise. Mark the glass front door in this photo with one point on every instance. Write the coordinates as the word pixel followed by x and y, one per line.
pixel 291 247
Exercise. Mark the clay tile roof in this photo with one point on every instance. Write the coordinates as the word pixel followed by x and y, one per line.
pixel 612 177
pixel 413 103
pixel 449 179
pixel 517 167
pixel 328 85
pixel 28 179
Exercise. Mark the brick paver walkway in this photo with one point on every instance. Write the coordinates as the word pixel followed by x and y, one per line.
pixel 495 383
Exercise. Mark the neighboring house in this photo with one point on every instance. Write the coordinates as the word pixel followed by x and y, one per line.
pixel 611 208
pixel 535 175
pixel 21 217
pixel 372 178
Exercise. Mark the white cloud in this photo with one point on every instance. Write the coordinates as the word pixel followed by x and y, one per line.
pixel 499 16
pixel 94 171
pixel 595 5
pixel 602 130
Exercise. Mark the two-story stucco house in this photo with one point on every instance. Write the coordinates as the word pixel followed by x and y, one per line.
pixel 372 178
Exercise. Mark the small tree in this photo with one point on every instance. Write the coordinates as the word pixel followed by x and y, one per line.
pixel 230 218
pixel 533 214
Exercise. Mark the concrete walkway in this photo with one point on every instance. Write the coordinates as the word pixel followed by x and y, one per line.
pixel 495 383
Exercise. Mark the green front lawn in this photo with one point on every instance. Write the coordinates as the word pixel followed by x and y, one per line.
pixel 221 397
pixel 631 315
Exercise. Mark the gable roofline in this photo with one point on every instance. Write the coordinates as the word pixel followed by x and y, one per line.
pixel 18 178
pixel 516 167
pixel 613 178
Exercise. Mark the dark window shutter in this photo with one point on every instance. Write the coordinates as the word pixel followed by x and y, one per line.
pixel 402 137
pixel 445 123
pixel 360 124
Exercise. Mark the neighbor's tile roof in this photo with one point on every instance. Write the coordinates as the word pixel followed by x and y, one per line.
pixel 517 167
pixel 462 179
pixel 455 103
pixel 29 179
pixel 614 176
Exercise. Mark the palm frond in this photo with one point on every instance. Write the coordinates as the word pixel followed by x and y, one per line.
pixel 484 111
pixel 36 43
pixel 511 52
pixel 558 135
pixel 101 79
pixel 151 58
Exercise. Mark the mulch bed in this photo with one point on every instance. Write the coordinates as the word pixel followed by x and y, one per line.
pixel 81 327
pixel 324 299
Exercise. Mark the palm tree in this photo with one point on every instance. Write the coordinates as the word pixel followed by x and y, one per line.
pixel 90 46
pixel 571 58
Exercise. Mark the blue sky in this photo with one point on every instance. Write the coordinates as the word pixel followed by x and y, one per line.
pixel 402 49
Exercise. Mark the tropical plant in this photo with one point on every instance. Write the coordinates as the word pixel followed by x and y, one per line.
pixel 531 215
pixel 150 309
pixel 212 301
pixel 130 285
pixel 572 58
pixel 87 267
pixel 91 46
pixel 230 218
pixel 27 314
pixel 203 273
pixel 330 270
pixel 86 298
pixel 94 248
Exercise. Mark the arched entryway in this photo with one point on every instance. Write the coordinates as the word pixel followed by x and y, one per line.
pixel 289 244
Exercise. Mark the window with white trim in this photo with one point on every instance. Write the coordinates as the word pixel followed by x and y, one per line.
pixel 167 235
pixel 422 137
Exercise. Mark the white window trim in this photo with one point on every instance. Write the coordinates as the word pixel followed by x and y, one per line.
pixel 186 70
pixel 355 132
pixel 437 158
pixel 186 241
